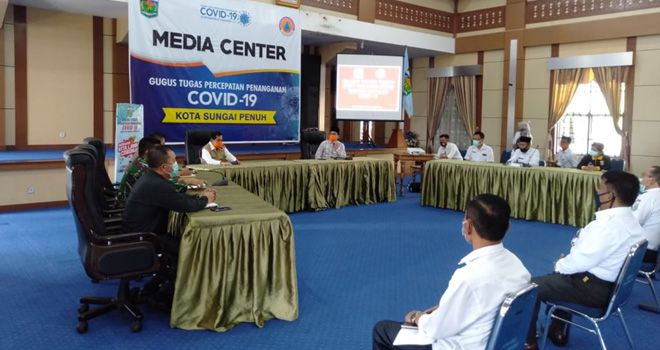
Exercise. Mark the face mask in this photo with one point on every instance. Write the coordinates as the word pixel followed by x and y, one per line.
pixel 217 144
pixel 463 231
pixel 333 138
pixel 642 187
pixel 476 143
pixel 175 170
pixel 524 150
pixel 599 203
pixel 593 153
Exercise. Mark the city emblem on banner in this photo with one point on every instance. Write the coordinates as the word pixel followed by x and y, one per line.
pixel 149 8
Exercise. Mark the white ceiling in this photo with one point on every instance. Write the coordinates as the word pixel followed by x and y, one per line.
pixel 118 8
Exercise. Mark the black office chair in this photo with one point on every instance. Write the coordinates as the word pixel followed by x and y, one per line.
pixel 101 172
pixel 309 142
pixel 110 205
pixel 196 139
pixel 125 256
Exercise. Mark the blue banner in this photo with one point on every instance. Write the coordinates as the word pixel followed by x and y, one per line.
pixel 230 66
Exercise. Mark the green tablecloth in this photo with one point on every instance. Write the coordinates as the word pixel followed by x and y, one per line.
pixel 234 266
pixel 563 196
pixel 310 184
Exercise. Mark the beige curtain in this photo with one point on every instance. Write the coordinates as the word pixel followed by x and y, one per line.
pixel 564 84
pixel 609 80
pixel 437 93
pixel 466 94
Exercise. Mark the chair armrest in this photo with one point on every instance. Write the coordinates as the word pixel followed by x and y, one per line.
pixel 131 237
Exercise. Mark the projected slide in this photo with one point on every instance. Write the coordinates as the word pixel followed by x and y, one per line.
pixel 369 87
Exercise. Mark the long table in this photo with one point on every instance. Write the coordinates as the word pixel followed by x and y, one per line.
pixel 300 185
pixel 563 196
pixel 234 266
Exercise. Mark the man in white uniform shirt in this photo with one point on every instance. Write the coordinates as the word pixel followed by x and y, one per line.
pixel 524 154
pixel 331 148
pixel 647 210
pixel 465 314
pixel 447 150
pixel 479 151
pixel 586 275
pixel 565 157
pixel 215 152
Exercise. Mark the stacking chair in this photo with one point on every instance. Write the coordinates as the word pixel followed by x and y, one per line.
pixel 123 257
pixel 622 290
pixel 647 273
pixel 196 139
pixel 512 321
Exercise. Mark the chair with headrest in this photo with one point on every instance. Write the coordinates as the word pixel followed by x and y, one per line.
pixel 513 318
pixel 101 170
pixel 108 203
pixel 196 139
pixel 620 295
pixel 310 140
pixel 104 256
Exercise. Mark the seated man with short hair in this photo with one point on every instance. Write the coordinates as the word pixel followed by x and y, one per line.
pixel 447 150
pixel 587 274
pixel 215 152
pixel 479 151
pixel 148 208
pixel 331 148
pixel 139 166
pixel 565 156
pixel 524 154
pixel 647 210
pixel 464 317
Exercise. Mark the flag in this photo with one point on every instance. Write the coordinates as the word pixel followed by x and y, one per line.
pixel 407 86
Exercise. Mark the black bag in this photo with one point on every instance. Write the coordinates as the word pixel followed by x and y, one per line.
pixel 415 187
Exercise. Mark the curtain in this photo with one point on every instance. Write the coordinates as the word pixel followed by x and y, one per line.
pixel 466 93
pixel 452 124
pixel 437 93
pixel 610 81
pixel 564 84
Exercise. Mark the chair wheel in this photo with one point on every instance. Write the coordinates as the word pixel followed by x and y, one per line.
pixel 83 308
pixel 136 326
pixel 82 327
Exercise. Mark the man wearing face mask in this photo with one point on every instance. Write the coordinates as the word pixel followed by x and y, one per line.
pixel 596 160
pixel 524 154
pixel 215 152
pixel 586 275
pixel 447 150
pixel 464 317
pixel 148 208
pixel 331 148
pixel 647 210
pixel 479 151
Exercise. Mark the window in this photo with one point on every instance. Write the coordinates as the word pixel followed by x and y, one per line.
pixel 452 124
pixel 587 120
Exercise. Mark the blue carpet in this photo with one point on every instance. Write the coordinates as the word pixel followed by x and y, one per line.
pixel 238 149
pixel 356 265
